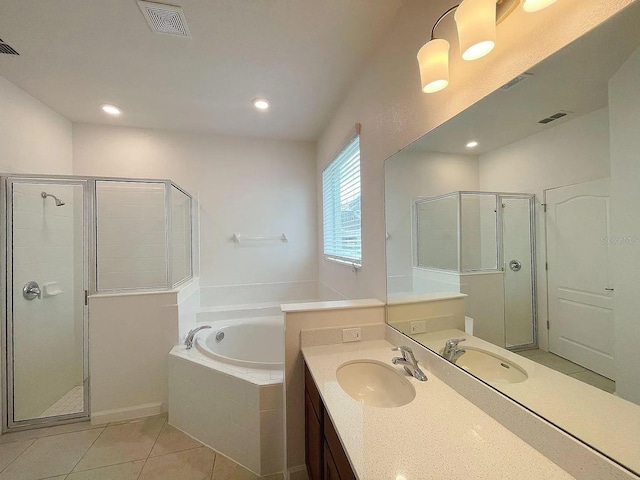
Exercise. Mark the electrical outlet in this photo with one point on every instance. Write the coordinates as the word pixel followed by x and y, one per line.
pixel 419 327
pixel 351 335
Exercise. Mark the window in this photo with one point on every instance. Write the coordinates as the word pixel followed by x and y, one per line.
pixel 341 205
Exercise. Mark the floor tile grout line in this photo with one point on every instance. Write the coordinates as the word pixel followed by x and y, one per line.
pixel 85 453
pixel 215 459
pixel 166 421
pixel 21 453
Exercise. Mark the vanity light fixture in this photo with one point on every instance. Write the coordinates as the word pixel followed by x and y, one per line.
pixel 111 110
pixel 472 144
pixel 535 5
pixel 476 22
pixel 260 104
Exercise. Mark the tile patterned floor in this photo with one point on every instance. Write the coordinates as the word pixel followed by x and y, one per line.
pixel 71 402
pixel 143 449
pixel 574 370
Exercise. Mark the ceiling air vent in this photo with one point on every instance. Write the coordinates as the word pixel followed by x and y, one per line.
pixel 7 49
pixel 165 19
pixel 515 81
pixel 555 116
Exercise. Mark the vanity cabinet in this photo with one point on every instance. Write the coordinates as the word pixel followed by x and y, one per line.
pixel 325 457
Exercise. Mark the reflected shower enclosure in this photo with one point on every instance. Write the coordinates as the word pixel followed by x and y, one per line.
pixel 482 244
pixel 63 239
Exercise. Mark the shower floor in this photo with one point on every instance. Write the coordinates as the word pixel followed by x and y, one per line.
pixel 71 402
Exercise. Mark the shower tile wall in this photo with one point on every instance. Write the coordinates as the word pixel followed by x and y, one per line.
pixel 48 361
pixel 132 249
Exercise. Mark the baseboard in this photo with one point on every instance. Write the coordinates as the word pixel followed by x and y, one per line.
pixel 298 473
pixel 129 413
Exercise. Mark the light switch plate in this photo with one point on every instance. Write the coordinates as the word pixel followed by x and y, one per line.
pixel 351 335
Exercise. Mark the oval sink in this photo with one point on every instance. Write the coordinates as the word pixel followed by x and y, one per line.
pixel 490 367
pixel 374 383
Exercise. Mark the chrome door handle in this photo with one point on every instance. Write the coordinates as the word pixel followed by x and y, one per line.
pixel 515 265
pixel 31 290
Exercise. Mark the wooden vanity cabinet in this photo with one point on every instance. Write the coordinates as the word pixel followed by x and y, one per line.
pixel 325 457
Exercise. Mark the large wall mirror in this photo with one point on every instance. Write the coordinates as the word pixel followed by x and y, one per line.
pixel 519 228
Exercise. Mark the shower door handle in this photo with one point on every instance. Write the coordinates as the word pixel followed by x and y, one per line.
pixel 31 290
pixel 515 265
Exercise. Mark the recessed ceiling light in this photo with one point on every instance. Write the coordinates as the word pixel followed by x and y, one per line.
pixel 472 144
pixel 260 103
pixel 111 110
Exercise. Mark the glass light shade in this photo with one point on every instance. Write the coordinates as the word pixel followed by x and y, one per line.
pixel 476 22
pixel 433 59
pixel 535 5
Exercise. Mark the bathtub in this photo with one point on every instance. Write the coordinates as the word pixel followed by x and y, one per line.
pixel 254 343
pixel 228 393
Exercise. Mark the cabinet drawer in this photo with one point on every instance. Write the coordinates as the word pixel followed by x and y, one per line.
pixel 313 441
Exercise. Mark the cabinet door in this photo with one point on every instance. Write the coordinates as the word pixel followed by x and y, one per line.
pixel 330 469
pixel 314 441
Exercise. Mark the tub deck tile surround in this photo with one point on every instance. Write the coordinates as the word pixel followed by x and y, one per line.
pixel 239 416
pixel 141 449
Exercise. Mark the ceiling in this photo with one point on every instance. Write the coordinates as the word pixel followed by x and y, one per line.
pixel 575 79
pixel 301 55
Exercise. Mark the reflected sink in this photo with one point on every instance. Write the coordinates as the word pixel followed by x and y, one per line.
pixel 490 367
pixel 374 383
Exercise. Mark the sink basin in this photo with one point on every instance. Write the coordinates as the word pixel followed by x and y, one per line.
pixel 374 383
pixel 490 367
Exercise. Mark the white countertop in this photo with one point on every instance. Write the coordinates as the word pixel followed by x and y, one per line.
pixel 600 419
pixel 439 434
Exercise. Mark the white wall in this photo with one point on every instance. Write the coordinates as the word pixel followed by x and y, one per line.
pixel 130 338
pixel 387 100
pixel 624 105
pixel 243 185
pixel 573 152
pixel 33 138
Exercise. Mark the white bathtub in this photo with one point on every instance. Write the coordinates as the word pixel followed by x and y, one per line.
pixel 252 343
pixel 228 393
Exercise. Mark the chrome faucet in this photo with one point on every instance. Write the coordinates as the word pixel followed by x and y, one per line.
pixel 408 361
pixel 191 335
pixel 451 351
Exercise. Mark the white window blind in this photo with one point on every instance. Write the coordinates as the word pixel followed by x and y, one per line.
pixel 341 205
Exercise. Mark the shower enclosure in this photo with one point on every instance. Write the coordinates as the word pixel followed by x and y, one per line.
pixel 481 243
pixel 63 239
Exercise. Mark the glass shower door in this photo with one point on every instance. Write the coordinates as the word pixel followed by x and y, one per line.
pixel 47 371
pixel 517 251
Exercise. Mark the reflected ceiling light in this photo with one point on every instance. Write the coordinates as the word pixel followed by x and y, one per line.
pixel 476 22
pixel 472 144
pixel 260 103
pixel 536 5
pixel 111 110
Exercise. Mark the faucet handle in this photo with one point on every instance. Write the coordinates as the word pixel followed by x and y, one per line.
pixel 402 348
pixel 407 353
pixel 453 342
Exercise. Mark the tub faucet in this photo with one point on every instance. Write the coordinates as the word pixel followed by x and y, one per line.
pixel 408 361
pixel 191 335
pixel 451 351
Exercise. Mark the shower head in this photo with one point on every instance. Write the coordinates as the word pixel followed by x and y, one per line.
pixel 59 202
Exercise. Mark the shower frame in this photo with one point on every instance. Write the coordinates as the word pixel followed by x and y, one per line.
pixel 90 281
pixel 500 261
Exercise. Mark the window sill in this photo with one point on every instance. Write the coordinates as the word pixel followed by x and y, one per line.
pixel 348 263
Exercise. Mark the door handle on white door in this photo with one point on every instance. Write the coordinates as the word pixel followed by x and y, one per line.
pixel 609 289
